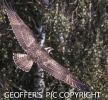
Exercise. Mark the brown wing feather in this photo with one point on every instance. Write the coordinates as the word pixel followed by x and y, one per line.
pixel 20 29
pixel 60 73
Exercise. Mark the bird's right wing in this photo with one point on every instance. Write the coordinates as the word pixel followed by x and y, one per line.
pixel 21 30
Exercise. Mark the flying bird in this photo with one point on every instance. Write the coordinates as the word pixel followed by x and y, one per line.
pixel 35 53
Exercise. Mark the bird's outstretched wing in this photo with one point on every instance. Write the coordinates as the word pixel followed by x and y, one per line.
pixel 26 40
pixel 59 72
pixel 21 30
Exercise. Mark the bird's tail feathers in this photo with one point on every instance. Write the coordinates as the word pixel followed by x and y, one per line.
pixel 22 61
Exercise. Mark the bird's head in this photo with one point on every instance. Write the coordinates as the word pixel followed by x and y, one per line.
pixel 48 49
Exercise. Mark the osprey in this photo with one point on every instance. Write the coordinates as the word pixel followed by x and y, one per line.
pixel 35 53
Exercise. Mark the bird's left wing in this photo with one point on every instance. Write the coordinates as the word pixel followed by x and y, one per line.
pixel 59 72
pixel 21 30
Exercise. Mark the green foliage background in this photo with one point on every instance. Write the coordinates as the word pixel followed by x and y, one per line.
pixel 78 32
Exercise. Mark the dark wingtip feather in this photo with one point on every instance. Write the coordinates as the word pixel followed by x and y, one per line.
pixel 6 5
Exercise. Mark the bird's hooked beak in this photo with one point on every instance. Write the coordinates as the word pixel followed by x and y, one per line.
pixel 48 49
